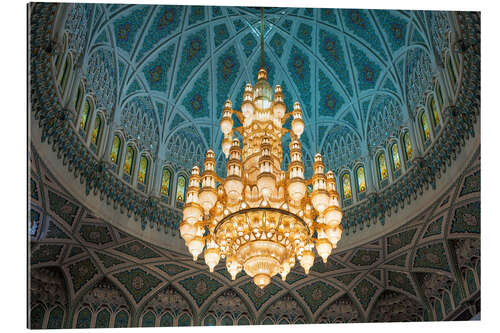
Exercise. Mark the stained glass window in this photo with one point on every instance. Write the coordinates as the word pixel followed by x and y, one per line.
pixel 360 173
pixel 425 127
pixel 78 99
pixel 55 318
pixel 121 319
pixel 184 320
pixel 102 320
pixel 115 150
pixel 209 321
pixel 346 186
pixel 63 77
pixel 451 71
pixel 83 320
pixel 165 182
pixel 396 163
pixel 408 148
pixel 181 188
pixel 167 320
pixel 128 166
pixel 148 320
pixel 85 115
pixel 143 170
pixel 439 94
pixel 382 167
pixel 96 132
pixel 434 109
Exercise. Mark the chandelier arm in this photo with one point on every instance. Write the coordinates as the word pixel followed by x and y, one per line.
pixel 239 115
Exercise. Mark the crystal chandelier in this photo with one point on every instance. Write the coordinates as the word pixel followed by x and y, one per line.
pixel 260 218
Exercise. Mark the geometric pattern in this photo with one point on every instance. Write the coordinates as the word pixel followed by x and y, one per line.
pixel 467 219
pixel 316 294
pixel 200 287
pixel 138 282
pixel 81 272
pixel 260 296
pixel 138 250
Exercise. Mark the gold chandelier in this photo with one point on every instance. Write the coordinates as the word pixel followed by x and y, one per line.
pixel 261 218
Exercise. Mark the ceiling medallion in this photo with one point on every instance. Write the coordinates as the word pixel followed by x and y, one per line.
pixel 261 218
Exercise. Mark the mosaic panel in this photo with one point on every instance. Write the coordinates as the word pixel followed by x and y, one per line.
pixel 200 287
pixel 401 281
pixel 364 257
pixel 138 250
pixel 471 184
pixel 81 273
pixel 432 256
pixel 172 269
pixel 316 294
pixel 45 253
pixel 467 219
pixel 260 296
pixel 63 208
pixel 108 261
pixel 364 291
pixel 398 241
pixel 95 234
pixel 138 282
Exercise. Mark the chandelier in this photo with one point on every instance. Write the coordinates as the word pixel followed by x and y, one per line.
pixel 261 219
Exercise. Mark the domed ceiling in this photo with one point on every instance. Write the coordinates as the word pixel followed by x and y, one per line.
pixel 349 69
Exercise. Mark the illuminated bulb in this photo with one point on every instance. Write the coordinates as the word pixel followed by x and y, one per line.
pixel 226 125
pixel 285 270
pixel 333 216
pixel 261 280
pixel 226 145
pixel 298 126
pixel 307 260
pixel 195 247
pixel 233 267
pixel 212 257
pixel 188 231
pixel 324 248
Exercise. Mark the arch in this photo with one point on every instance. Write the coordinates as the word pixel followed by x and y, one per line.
pixel 180 189
pixel 425 129
pixel 83 318
pixel 341 310
pixel 79 97
pixel 121 319
pixel 451 71
pixel 167 319
pixel 396 161
pixel 96 135
pixel 148 319
pixel 286 307
pixel 226 308
pixel 37 315
pixel 346 187
pixel 382 172
pixel 470 281
pixel 65 73
pixel 60 56
pixel 209 320
pixel 408 149
pixel 360 179
pixel 116 148
pixel 393 306
pixel 103 318
pixel 185 319
pixel 439 94
pixel 86 115
pixel 434 111
pixel 143 174
pixel 56 318
pixel 129 163
pixel 243 321
pixel 166 182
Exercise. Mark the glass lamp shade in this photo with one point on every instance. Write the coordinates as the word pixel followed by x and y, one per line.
pixel 195 246
pixel 324 248
pixel 333 216
pixel 297 189
pixel 212 257
pixel 192 212
pixel 226 145
pixel 226 125
pixel 298 126
pixel 208 198
pixel 188 231
pixel 320 200
pixel 307 260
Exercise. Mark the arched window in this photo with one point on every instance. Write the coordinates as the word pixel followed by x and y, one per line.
pixel 36 316
pixel 142 177
pixel 243 321
pixel 360 179
pixel 60 56
pixel 451 72
pixel 407 145
pixel 116 150
pixel 83 319
pixel 56 318
pixel 227 321
pixel 167 320
pixel 209 321
pixel 128 166
pixel 148 320
pixel 64 74
pixel 102 320
pixel 382 167
pixel 96 132
pixel 121 319
pixel 184 320
pixel 79 98
pixel 396 163
pixel 86 115
pixel 165 182
pixel 439 94
pixel 434 110
pixel 346 186
pixel 426 133
pixel 181 189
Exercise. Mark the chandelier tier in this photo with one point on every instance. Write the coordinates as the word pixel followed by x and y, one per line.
pixel 261 218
